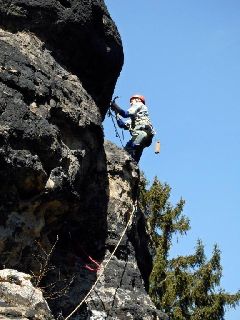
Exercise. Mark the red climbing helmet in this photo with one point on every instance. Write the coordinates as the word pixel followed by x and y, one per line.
pixel 138 96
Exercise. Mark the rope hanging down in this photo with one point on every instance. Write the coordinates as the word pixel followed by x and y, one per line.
pixel 105 266
pixel 115 127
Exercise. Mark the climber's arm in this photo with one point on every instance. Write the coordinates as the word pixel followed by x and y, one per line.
pixel 122 124
pixel 118 110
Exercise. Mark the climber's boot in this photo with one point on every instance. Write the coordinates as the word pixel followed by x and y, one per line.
pixel 134 150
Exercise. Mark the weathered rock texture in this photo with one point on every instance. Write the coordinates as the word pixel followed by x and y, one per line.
pixel 120 293
pixel 19 299
pixel 65 197
pixel 80 35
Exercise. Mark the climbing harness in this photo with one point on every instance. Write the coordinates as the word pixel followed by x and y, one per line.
pixel 106 264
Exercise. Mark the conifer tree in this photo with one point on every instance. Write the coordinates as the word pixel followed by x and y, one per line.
pixel 186 287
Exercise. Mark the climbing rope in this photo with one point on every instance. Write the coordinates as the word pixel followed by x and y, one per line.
pixel 115 127
pixel 106 264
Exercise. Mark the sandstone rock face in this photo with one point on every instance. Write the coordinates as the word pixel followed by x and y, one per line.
pixel 120 292
pixel 19 299
pixel 65 196
pixel 51 144
pixel 80 35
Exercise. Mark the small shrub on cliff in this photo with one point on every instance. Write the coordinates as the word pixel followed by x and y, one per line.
pixel 186 287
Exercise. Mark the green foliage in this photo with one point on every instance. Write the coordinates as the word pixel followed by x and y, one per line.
pixel 186 287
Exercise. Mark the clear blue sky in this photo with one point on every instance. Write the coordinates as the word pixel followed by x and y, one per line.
pixel 184 56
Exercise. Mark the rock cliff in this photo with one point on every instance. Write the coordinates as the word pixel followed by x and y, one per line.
pixel 65 195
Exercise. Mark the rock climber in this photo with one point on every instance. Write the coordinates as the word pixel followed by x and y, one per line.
pixel 138 124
